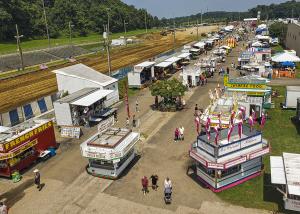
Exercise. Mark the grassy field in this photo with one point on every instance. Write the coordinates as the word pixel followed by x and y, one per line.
pixel 284 136
pixel 27 45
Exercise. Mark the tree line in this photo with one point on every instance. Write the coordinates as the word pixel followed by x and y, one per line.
pixel 85 16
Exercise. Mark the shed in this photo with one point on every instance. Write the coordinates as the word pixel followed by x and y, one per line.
pixel 142 74
pixel 80 76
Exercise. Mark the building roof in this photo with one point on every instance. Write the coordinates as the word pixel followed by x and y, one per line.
pixel 91 98
pixel 164 64
pixel 173 59
pixel 293 88
pixel 286 170
pixel 145 64
pixel 84 72
pixel 76 95
pixel 184 55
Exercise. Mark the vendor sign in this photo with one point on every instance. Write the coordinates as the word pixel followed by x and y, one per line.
pixel 229 84
pixel 25 137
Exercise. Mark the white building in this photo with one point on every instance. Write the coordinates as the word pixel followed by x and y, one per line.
pixel 142 74
pixel 76 77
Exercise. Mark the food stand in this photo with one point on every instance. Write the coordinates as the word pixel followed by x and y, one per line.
pixel 22 145
pixel 110 151
pixel 141 75
pixel 229 162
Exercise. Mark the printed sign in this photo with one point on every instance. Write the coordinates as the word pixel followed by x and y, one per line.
pixel 250 141
pixel 25 137
pixel 105 124
pixel 291 204
pixel 230 148
pixel 206 147
pixel 260 153
pixel 235 162
pixel 215 165
pixel 197 158
pixel 70 131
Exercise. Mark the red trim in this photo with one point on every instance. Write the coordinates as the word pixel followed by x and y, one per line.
pixel 229 185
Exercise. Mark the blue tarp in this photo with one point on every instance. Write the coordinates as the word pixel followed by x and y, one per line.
pixel 288 64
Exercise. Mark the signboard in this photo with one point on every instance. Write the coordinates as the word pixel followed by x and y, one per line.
pixel 24 147
pixel 105 124
pixel 246 86
pixel 197 158
pixel 215 165
pixel 25 137
pixel 206 147
pixel 260 153
pixel 291 204
pixel 251 141
pixel 235 162
pixel 70 131
pixel 230 148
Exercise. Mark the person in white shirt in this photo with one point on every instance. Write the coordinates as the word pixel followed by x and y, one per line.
pixel 3 208
pixel 181 132
pixel 168 183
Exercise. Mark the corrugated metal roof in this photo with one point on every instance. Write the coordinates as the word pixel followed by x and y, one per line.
pixel 145 64
pixel 76 95
pixel 164 64
pixel 184 55
pixel 173 59
pixel 84 72
pixel 292 172
pixel 91 98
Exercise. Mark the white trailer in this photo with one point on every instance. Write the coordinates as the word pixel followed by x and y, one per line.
pixel 292 93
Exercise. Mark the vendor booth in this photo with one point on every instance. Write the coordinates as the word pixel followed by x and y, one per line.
pixel 109 152
pixel 141 75
pixel 253 88
pixel 195 53
pixel 161 70
pixel 225 160
pixel 191 76
pixel 185 58
pixel 285 173
pixel 82 107
pixel 24 144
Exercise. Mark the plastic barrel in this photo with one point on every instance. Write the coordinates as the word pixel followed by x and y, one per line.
pixel 52 151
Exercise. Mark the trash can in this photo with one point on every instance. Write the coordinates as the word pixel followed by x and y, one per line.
pixel 16 177
pixel 52 151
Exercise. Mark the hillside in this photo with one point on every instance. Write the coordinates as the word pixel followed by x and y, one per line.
pixel 273 11
pixel 86 16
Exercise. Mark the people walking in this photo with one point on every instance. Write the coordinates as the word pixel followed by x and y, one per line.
pixel 167 183
pixel 133 121
pixel 181 133
pixel 137 105
pixel 154 179
pixel 127 122
pixel 196 110
pixel 227 71
pixel 145 185
pixel 37 179
pixel 176 133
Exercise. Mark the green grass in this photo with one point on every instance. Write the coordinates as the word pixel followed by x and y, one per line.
pixel 27 45
pixel 121 85
pixel 283 136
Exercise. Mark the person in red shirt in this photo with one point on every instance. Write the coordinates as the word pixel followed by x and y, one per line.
pixel 145 185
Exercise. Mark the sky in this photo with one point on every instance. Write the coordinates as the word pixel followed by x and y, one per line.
pixel 175 8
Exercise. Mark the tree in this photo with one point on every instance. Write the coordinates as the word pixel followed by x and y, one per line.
pixel 169 90
pixel 278 29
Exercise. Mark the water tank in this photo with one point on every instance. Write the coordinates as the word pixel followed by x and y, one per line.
pixel 298 108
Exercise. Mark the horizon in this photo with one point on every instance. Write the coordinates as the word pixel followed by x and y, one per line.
pixel 172 8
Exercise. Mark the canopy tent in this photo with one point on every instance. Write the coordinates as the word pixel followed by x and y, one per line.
pixel 285 57
pixel 173 59
pixel 184 55
pixel 90 99
pixel 164 64
pixel 288 64
pixel 145 64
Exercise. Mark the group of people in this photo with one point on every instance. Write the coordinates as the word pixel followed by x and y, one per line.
pixel 222 71
pixel 154 185
pixel 179 133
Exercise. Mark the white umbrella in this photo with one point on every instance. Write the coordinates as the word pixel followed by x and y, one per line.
pixel 285 57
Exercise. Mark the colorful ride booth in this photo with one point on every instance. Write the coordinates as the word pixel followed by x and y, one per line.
pixel 142 75
pixel 23 145
pixel 226 158
pixel 109 151
pixel 251 92
pixel 285 173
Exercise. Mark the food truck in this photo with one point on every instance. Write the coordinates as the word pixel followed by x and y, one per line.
pixel 22 145
pixel 225 163
pixel 285 173
pixel 110 151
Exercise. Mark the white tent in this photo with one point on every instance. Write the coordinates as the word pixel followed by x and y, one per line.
pixel 285 57
pixel 257 44
pixel 184 55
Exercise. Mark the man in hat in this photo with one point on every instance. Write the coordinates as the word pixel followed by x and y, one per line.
pixel 37 179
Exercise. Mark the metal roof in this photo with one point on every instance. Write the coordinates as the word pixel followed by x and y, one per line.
pixel 91 98
pixel 76 95
pixel 277 170
pixel 173 59
pixel 164 64
pixel 293 88
pixel 84 72
pixel 145 64
pixel 184 55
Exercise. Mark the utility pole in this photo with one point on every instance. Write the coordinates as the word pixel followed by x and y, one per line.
pixel 107 45
pixel 146 21
pixel 197 30
pixel 46 23
pixel 125 32
pixel 108 19
pixel 70 33
pixel 174 35
pixel 201 17
pixel 19 46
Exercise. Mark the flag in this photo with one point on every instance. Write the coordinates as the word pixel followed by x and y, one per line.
pixel 263 120
pixel 230 129
pixel 240 129
pixel 207 127
pixel 216 128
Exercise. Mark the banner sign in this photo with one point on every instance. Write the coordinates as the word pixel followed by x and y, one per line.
pixel 105 124
pixel 197 158
pixel 70 131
